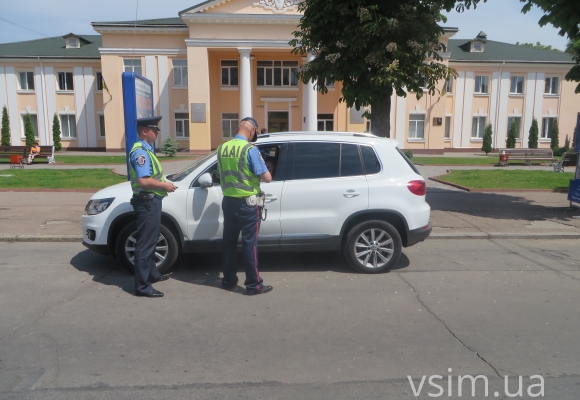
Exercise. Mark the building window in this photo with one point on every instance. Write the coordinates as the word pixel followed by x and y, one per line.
pixel 552 84
pixel 26 80
pixel 417 126
pixel 68 126
pixel 180 73
pixel 229 72
pixel 447 127
pixel 325 122
pixel 478 127
pixel 181 125
pixel 65 81
pixel 99 79
pixel 518 122
pixel 277 73
pixel 449 85
pixel 547 124
pixel 477 47
pixel 482 84
pixel 132 65
pixel 34 124
pixel 101 125
pixel 72 43
pixel 517 85
pixel 229 125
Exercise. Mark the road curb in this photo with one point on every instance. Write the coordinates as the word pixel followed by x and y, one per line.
pixel 41 238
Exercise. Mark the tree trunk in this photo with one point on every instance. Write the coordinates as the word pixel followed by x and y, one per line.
pixel 381 117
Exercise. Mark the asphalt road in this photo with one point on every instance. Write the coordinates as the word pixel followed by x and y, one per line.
pixel 70 327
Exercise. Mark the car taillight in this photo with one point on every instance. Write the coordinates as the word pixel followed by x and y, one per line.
pixel 417 187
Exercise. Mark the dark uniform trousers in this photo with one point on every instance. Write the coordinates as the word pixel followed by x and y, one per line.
pixel 238 216
pixel 148 223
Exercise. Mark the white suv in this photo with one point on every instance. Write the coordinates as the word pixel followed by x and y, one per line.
pixel 353 193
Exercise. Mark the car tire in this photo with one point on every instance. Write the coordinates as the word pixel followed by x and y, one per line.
pixel 372 247
pixel 166 252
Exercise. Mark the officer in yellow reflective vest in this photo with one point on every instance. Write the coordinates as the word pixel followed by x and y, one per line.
pixel 149 189
pixel 241 169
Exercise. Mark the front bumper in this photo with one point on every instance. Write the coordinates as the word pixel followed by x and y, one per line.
pixel 98 248
pixel 418 235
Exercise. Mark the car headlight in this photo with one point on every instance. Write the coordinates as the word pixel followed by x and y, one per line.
pixel 95 207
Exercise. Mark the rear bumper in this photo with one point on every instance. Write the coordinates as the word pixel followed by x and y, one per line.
pixel 98 248
pixel 418 235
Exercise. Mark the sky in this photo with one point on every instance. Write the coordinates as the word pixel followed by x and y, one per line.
pixel 501 20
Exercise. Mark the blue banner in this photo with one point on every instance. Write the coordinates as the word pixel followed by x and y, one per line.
pixel 137 103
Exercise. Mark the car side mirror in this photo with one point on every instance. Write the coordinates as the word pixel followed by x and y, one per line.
pixel 205 180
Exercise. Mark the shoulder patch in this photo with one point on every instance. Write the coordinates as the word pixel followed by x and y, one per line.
pixel 140 160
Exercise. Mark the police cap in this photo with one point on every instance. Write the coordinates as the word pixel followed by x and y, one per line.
pixel 252 121
pixel 149 122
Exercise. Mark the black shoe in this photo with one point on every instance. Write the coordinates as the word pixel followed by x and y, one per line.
pixel 164 277
pixel 229 285
pixel 152 293
pixel 263 289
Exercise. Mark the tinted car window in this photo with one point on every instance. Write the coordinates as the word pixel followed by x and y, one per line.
pixel 316 160
pixel 370 160
pixel 350 164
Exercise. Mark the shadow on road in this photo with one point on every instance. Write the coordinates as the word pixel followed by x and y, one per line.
pixel 495 205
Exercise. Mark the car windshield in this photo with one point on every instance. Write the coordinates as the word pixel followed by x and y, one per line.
pixel 181 175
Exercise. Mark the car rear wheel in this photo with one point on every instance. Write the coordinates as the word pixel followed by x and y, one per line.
pixel 372 247
pixel 166 249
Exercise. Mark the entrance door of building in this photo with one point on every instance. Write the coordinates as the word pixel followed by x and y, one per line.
pixel 277 121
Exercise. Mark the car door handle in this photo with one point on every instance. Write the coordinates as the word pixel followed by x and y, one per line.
pixel 350 194
pixel 270 198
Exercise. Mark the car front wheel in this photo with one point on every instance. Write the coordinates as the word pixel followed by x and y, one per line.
pixel 166 248
pixel 372 246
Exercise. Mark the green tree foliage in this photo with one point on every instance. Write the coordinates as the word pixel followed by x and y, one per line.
pixel 28 130
pixel 56 133
pixel 511 137
pixel 539 46
pixel 5 127
pixel 533 137
pixel 409 153
pixel 374 48
pixel 554 136
pixel 169 147
pixel 487 139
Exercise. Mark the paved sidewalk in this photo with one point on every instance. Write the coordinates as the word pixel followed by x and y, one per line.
pixel 455 214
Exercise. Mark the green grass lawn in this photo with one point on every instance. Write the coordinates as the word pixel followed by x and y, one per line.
pixel 480 160
pixel 104 159
pixel 514 179
pixel 58 178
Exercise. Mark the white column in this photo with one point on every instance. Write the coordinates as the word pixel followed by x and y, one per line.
pixel 501 131
pixel 458 109
pixel 539 98
pixel 80 103
pixel 245 83
pixel 50 96
pixel 529 107
pixel 311 103
pixel 467 109
pixel 15 132
pixel 40 111
pixel 163 72
pixel 401 123
pixel 493 108
pixel 90 107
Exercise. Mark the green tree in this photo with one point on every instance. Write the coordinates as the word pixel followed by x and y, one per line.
pixel 374 48
pixel 56 133
pixel 539 46
pixel 5 127
pixel 533 137
pixel 511 137
pixel 169 147
pixel 487 139
pixel 554 136
pixel 28 130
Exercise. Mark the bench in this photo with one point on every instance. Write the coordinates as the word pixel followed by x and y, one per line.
pixel 45 152
pixel 527 156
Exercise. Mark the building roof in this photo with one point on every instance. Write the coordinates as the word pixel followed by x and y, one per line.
pixel 54 47
pixel 176 21
pixel 499 52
